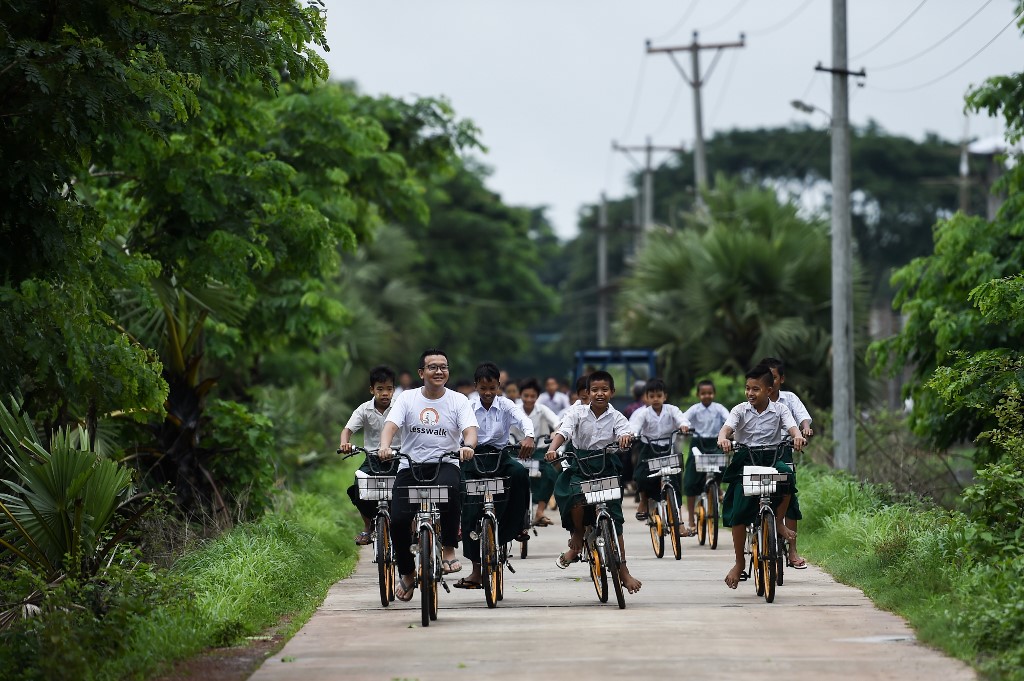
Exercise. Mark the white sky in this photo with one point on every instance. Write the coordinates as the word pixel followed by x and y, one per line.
pixel 552 82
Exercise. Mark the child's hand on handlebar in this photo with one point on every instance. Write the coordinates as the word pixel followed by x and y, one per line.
pixel 551 455
pixel 725 445
pixel 385 454
pixel 345 447
pixel 465 453
pixel 798 442
pixel 526 448
pixel 625 441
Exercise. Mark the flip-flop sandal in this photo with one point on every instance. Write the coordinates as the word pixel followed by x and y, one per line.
pixel 542 521
pixel 363 539
pixel 403 592
pixel 640 515
pixel 449 566
pixel 562 563
pixel 688 532
pixel 798 564
pixel 467 584
pixel 744 576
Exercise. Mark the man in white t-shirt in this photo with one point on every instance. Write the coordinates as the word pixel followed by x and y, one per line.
pixel 431 420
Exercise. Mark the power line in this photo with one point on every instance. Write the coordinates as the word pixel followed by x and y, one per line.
pixel 671 108
pixel 636 98
pixel 725 86
pixel 782 24
pixel 890 33
pixel 724 20
pixel 679 24
pixel 958 66
pixel 934 45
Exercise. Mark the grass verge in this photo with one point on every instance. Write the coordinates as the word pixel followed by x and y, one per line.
pixel 916 560
pixel 234 586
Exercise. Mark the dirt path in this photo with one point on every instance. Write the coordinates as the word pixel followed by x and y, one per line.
pixel 683 623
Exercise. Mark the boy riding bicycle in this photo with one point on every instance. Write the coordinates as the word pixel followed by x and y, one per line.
pixel 703 419
pixel 654 424
pixel 756 423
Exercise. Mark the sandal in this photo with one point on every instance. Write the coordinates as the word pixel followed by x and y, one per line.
pixel 542 521
pixel 562 563
pixel 688 531
pixel 363 539
pixel 467 584
pixel 404 592
pixel 799 564
pixel 451 565
pixel 640 515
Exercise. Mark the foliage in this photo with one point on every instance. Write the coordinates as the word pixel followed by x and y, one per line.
pixel 744 283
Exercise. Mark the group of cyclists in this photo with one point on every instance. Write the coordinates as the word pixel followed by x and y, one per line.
pixel 451 436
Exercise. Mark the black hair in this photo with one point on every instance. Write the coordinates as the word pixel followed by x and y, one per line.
pixel 763 373
pixel 431 351
pixel 776 364
pixel 463 383
pixel 486 370
pixel 530 384
pixel 600 375
pixel 381 374
pixel 655 385
pixel 705 382
pixel 581 384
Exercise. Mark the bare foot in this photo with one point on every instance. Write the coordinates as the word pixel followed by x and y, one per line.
pixel 732 580
pixel 631 584
pixel 575 547
pixel 784 532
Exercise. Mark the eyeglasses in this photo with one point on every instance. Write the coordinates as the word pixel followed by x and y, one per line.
pixel 436 367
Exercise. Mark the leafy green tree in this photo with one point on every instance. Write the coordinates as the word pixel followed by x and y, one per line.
pixel 748 281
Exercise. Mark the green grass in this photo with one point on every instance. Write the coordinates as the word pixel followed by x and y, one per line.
pixel 914 560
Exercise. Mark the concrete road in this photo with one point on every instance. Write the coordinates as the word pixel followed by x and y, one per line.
pixel 684 623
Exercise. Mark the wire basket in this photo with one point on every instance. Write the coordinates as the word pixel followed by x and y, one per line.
pixel 710 462
pixel 532 467
pixel 601 489
pixel 435 494
pixel 375 487
pixel 481 486
pixel 758 480
pixel 664 465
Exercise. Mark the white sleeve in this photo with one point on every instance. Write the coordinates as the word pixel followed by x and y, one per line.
pixel 688 414
pixel 549 416
pixel 399 410
pixel 734 417
pixel 356 420
pixel 800 412
pixel 677 416
pixel 787 417
pixel 568 424
pixel 465 415
pixel 621 425
pixel 636 421
pixel 524 422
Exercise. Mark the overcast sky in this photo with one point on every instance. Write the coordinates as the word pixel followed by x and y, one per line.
pixel 552 82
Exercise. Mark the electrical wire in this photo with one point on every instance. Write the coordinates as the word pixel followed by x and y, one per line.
pixel 637 89
pixel 725 86
pixel 679 24
pixel 955 68
pixel 890 33
pixel 782 24
pixel 875 69
pixel 671 108
pixel 724 20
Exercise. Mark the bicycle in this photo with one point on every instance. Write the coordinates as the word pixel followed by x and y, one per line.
pixel 377 486
pixel 600 540
pixel 708 504
pixel 762 539
pixel 493 557
pixel 533 467
pixel 666 517
pixel 426 536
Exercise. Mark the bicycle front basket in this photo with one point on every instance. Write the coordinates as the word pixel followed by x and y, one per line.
pixel 663 465
pixel 375 487
pixel 758 480
pixel 481 486
pixel 436 494
pixel 532 467
pixel 601 489
pixel 711 462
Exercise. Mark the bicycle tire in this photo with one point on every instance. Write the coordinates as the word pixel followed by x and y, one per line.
pixel 781 561
pixel 770 539
pixel 428 588
pixel 598 574
pixel 489 561
pixel 385 565
pixel 611 551
pixel 756 564
pixel 674 521
pixel 501 574
pixel 713 515
pixel 657 529
pixel 702 519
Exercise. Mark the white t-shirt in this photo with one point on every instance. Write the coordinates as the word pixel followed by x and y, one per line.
pixel 366 416
pixel 652 426
pixel 760 430
pixel 706 421
pixel 430 428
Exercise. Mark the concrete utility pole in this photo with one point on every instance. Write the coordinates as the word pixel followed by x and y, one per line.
pixel 843 395
pixel 602 273
pixel 700 161
pixel 647 210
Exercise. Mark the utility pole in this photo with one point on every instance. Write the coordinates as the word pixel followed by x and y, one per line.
pixel 647 209
pixel 843 395
pixel 700 161
pixel 602 273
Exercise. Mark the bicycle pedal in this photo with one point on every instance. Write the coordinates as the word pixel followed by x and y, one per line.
pixel 511 569
pixel 445 585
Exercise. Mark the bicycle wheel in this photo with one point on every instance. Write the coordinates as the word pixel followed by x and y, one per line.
pixel 713 514
pixel 657 529
pixel 428 587
pixel 501 574
pixel 598 574
pixel 611 552
pixel 781 561
pixel 672 521
pixel 489 561
pixel 756 564
pixel 770 555
pixel 702 519
pixel 385 563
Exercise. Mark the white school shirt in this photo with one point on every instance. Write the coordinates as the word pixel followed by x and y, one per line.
pixel 796 406
pixel 429 427
pixel 760 430
pixel 543 419
pixel 706 421
pixel 496 422
pixel 650 425
pixel 367 417
pixel 558 404
pixel 588 431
